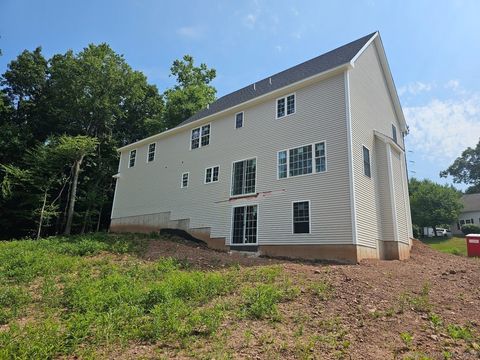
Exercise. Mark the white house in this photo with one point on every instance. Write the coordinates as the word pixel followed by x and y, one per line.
pixel 308 163
pixel 470 213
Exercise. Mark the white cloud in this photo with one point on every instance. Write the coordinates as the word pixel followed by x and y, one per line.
pixel 441 130
pixel 415 88
pixel 452 84
pixel 191 32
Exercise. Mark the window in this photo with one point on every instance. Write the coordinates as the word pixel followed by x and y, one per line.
pixel 200 137
pixel 239 120
pixel 184 183
pixel 301 217
pixel 303 160
pixel 211 174
pixel 286 106
pixel 366 162
pixel 131 161
pixel 243 177
pixel 394 133
pixel 151 152
pixel 244 227
pixel 462 222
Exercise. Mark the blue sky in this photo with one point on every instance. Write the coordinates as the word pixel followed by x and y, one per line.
pixel 433 48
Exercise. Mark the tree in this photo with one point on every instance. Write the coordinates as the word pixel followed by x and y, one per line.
pixel 466 169
pixel 191 93
pixel 433 204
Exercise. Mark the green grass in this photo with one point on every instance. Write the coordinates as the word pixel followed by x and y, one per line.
pixel 453 245
pixel 86 295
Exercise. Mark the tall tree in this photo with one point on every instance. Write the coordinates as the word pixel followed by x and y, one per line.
pixel 466 169
pixel 433 204
pixel 191 93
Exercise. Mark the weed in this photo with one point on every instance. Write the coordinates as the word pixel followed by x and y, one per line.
pixel 321 289
pixel 457 332
pixel 260 302
pixel 407 339
pixel 418 303
pixel 435 320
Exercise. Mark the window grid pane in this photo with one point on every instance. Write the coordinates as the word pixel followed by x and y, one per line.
pixel 208 175
pixel 238 225
pixel 250 172
pixel 301 217
pixel 366 162
pixel 239 120
pixel 238 178
pixel 215 173
pixel 184 180
pixel 243 177
pixel 300 160
pixel 281 107
pixel 195 138
pixel 133 154
pixel 205 135
pixel 320 157
pixel 282 164
pixel 394 133
pixel 251 225
pixel 290 104
pixel 151 152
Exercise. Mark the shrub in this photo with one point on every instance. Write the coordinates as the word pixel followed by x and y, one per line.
pixel 470 229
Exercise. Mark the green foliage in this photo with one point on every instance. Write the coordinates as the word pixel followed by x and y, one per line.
pixel 321 289
pixel 407 338
pixel 433 204
pixel 454 245
pixel 457 332
pixel 261 301
pixel 417 302
pixel 466 168
pixel 470 229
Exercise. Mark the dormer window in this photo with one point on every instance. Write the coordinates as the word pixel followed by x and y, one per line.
pixel 200 137
pixel 286 106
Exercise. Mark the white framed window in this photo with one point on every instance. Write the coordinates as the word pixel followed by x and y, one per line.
pixel 200 137
pixel 185 180
pixel 366 161
pixel 301 217
pixel 244 225
pixel 239 120
pixel 286 106
pixel 151 152
pixel 303 160
pixel 394 133
pixel 132 157
pixel 211 174
pixel 244 174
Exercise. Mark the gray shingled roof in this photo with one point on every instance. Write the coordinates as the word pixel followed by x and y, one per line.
pixel 471 202
pixel 327 61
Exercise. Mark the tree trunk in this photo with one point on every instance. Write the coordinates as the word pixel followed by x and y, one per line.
pixel 39 232
pixel 73 194
pixel 99 217
pixel 84 226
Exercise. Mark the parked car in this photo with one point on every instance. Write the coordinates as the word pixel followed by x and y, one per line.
pixel 443 232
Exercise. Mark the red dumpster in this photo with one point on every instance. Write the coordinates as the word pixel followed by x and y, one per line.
pixel 473 245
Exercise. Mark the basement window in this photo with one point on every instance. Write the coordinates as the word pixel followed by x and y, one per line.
pixel 151 152
pixel 286 106
pixel 243 177
pixel 366 162
pixel 131 159
pixel 301 217
pixel 185 178
pixel 211 174
pixel 200 137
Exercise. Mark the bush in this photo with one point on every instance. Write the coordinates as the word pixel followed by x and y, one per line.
pixel 416 231
pixel 470 229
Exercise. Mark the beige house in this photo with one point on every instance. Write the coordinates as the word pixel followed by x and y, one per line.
pixel 308 163
pixel 470 213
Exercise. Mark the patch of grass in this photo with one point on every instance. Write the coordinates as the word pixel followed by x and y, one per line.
pixel 419 303
pixel 453 245
pixel 321 289
pixel 260 302
pixel 407 339
pixel 457 332
pixel 12 301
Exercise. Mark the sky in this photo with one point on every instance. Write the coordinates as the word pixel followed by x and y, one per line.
pixel 433 49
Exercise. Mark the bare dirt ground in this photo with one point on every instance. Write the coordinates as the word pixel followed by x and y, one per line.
pixel 375 310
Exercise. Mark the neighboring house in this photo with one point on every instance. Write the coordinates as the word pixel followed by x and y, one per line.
pixel 470 212
pixel 306 163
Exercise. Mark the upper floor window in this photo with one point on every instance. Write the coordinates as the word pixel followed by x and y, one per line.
pixel 366 162
pixel 211 174
pixel 394 133
pixel 200 137
pixel 239 120
pixel 185 177
pixel 151 152
pixel 243 177
pixel 132 157
pixel 286 106
pixel 303 160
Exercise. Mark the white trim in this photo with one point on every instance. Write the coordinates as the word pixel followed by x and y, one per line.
pixel 235 120
pixel 256 175
pixel 314 162
pixel 116 186
pixel 230 242
pixel 309 218
pixel 392 192
pixel 388 140
pixel 369 161
pixel 200 136
pixel 351 169
pixel 285 98
pixel 188 180
pixel 196 123
pixel 135 158
pixel 205 175
pixel 364 47
pixel 154 152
